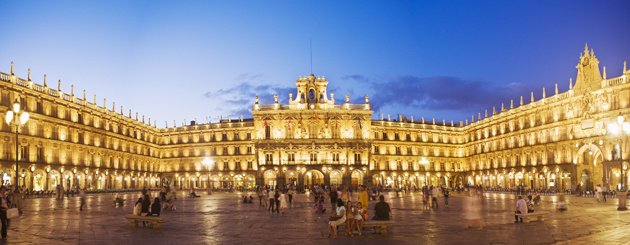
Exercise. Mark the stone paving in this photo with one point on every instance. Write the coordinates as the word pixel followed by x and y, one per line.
pixel 221 219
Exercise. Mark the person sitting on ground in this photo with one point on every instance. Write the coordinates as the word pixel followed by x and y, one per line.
pixel 251 199
pixel 156 207
pixel 381 209
pixel 244 198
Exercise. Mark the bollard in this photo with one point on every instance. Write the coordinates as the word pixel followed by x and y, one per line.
pixel 622 195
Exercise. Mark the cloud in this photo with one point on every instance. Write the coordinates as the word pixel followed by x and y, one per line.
pixel 238 99
pixel 443 93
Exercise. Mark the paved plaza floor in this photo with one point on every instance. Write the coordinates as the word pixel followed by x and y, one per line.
pixel 220 218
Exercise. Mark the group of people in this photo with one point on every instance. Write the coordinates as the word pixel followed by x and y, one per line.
pixel 277 200
pixel 430 196
pixel 524 205
pixel 354 214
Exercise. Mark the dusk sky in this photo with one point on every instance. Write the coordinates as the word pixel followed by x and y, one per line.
pixel 176 60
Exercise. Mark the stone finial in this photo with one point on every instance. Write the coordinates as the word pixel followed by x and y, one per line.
pixel 478 116
pixel 466 122
pixel 154 123
pixel 433 121
pixel 624 67
pixel 382 117
pixel 367 99
pixel 136 116
pixel 544 95
pixel 72 89
pixel 443 122
pixel 486 114
pixel 472 118
pixel 28 77
pixel 45 85
pixel 105 103
pixel 389 118
pixel 94 100
pixel 290 97
pixel 122 110
pixel 59 85
pixel 166 124
pixel 532 96
pixel 174 124
pixel 142 117
pixel 412 119
pixel 521 100
pixel 570 83
pixel 494 110
pixel 332 97
pixel 556 88
pixel 84 94
pixel 275 98
pixel 422 120
pixel 511 103
pixel 129 113
pixel 452 123
pixel 604 73
pixel 256 100
pixel 12 69
pixel 347 98
pixel 502 107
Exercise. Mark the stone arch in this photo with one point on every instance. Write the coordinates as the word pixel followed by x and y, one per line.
pixel 356 178
pixel 313 177
pixel 589 168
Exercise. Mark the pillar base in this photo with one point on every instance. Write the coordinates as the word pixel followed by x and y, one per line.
pixel 622 195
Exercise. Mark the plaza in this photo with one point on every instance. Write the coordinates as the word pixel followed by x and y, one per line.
pixel 221 218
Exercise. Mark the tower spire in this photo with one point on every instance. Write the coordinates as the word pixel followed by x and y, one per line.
pixel 29 74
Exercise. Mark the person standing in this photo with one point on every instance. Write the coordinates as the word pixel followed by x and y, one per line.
pixel 276 198
pixel 272 202
pixel 283 203
pixel 4 206
pixel 333 198
pixel 446 194
pixel 363 196
pixel 146 204
pixel 434 195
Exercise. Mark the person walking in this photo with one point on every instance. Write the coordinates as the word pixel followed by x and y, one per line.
pixel 81 198
pixel 290 193
pixel 4 206
pixel 283 203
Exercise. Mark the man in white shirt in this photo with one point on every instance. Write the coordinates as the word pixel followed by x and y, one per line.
pixel 521 208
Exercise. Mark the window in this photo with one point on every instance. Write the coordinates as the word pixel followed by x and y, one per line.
pixel 267 132
pixel 249 150
pixel 291 157
pixel 384 136
pixel 40 154
pixel 24 153
pixel 269 158
pixel 442 168
pixel 357 158
pixel 225 150
pixel 376 150
pixel 335 157
pixel 238 165
pixel 397 150
pixel 236 137
pixel 226 166
pixel 237 150
pixel 396 136
pixel 250 165
pixel 249 136
pixel 313 157
pixel 224 137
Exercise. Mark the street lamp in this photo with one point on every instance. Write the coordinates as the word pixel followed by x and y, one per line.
pixel 620 128
pixel 16 117
pixel 206 162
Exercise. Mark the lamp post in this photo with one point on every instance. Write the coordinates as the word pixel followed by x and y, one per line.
pixel 621 129
pixel 206 162
pixel 16 117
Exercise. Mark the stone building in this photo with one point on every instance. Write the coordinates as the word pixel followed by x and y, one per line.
pixel 556 140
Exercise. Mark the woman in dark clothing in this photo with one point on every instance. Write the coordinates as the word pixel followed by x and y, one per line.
pixel 156 207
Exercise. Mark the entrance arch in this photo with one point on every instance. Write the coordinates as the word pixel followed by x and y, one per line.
pixel 357 178
pixel 589 167
pixel 313 177
pixel 335 178
pixel 269 177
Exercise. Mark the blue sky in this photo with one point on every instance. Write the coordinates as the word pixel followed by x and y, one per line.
pixel 176 60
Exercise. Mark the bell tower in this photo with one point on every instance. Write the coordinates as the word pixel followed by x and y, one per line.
pixel 311 90
pixel 588 76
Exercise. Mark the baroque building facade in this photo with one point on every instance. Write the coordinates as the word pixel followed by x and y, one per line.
pixel 559 140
